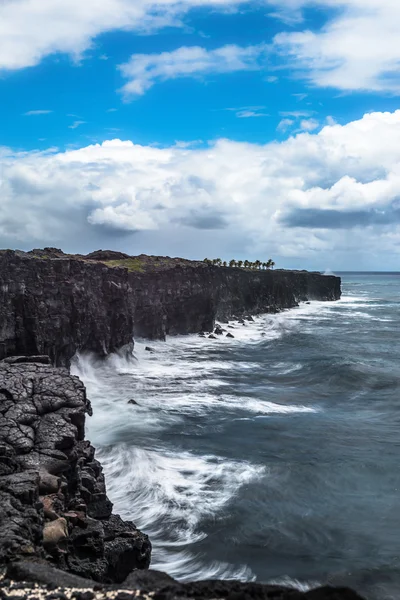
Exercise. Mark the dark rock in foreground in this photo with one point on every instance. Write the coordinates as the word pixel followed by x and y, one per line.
pixel 54 304
pixel 151 584
pixel 53 501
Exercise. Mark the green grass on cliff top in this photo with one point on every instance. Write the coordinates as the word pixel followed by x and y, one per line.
pixel 147 264
pixel 132 264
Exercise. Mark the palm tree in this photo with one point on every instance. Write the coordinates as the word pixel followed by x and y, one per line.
pixel 207 261
pixel 264 265
pixel 224 264
pixel 232 263
pixel 246 264
pixel 240 263
pixel 270 264
pixel 257 264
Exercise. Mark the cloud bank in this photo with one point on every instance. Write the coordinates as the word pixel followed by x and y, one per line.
pixel 312 195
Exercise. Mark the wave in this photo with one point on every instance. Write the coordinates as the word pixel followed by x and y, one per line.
pixel 164 455
pixel 169 495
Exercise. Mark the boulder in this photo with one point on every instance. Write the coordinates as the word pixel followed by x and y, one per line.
pixel 229 335
pixel 54 532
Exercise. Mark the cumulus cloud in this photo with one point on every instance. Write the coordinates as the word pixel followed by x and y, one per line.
pixel 296 199
pixel 29 30
pixel 357 49
pixel 336 55
pixel 144 70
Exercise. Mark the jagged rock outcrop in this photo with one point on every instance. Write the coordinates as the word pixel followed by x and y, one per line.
pixel 53 502
pixel 55 304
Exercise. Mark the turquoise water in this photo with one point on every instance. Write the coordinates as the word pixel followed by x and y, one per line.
pixel 274 456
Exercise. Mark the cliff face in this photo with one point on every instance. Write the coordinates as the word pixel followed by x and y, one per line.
pixel 56 304
pixel 53 502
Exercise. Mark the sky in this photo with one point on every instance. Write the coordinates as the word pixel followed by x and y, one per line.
pixel 203 128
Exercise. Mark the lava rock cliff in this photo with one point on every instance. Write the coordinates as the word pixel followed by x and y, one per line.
pixel 56 304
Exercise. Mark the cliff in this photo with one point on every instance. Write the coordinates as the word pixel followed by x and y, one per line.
pixel 55 304
pixel 53 502
pixel 56 524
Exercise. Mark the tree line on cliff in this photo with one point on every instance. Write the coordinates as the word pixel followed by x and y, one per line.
pixel 242 264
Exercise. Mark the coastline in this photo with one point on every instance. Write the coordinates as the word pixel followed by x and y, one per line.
pixel 51 450
pixel 43 484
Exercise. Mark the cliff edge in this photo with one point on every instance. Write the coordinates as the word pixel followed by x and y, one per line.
pixel 54 304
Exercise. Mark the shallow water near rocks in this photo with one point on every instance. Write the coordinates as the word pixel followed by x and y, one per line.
pixel 272 456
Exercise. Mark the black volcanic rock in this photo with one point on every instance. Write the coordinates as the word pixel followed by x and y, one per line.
pixel 105 255
pixel 53 502
pixel 152 584
pixel 55 304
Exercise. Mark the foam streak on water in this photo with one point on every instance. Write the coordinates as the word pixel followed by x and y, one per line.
pixel 261 456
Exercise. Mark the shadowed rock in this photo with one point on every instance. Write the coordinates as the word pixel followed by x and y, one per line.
pixel 161 586
pixel 53 502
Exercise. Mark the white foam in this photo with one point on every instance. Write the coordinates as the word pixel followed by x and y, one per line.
pixel 168 494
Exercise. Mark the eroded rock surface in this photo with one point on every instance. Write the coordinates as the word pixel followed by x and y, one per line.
pixel 53 501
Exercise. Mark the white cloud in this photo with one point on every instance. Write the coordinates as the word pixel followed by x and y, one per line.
pixel 331 196
pixel 357 49
pixel 144 70
pixel 300 97
pixel 308 124
pixel 33 29
pixel 296 113
pixel 246 114
pixel 76 124
pixel 284 124
pixel 34 113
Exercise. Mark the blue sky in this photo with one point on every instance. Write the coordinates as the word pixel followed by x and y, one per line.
pixel 203 95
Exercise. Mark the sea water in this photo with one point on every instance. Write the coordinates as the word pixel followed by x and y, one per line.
pixel 273 456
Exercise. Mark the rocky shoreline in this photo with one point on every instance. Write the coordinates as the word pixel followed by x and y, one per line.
pixel 57 530
pixel 58 535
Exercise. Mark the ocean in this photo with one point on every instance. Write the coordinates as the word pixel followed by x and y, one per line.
pixel 273 456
